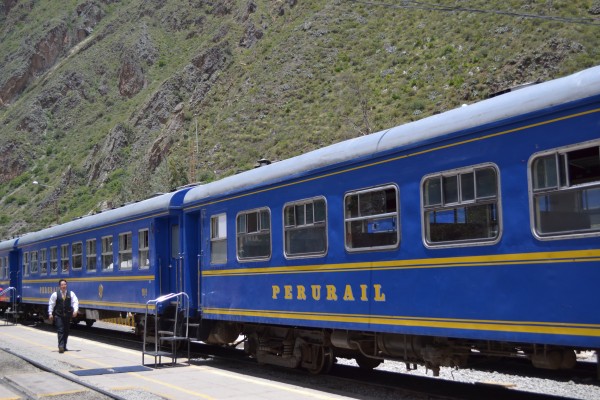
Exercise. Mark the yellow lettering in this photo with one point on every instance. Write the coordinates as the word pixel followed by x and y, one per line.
pixel 316 292
pixel 378 295
pixel 331 293
pixel 287 289
pixel 276 291
pixel 363 293
pixel 348 295
pixel 301 295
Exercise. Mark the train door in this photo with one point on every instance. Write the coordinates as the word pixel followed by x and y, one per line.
pixel 176 265
pixel 14 271
pixel 199 252
pixel 191 259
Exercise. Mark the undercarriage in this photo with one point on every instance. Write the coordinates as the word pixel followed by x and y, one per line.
pixel 317 349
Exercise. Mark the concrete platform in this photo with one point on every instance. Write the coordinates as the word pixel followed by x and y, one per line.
pixel 204 379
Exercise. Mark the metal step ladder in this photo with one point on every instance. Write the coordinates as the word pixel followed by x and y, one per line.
pixel 171 328
pixel 12 311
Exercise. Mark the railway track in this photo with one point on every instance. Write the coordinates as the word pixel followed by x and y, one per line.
pixel 76 388
pixel 376 384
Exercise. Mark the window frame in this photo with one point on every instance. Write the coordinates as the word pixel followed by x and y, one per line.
pixel 33 262
pixel 125 251
pixel 107 254
pixel 220 239
pixel 462 203
pixel 239 234
pixel 53 260
pixel 143 249
pixel 25 263
pixel 396 215
pixel 563 185
pixel 91 255
pixel 305 226
pixel 77 256
pixel 64 258
pixel 43 259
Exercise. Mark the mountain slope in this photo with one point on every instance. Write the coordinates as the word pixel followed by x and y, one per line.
pixel 108 101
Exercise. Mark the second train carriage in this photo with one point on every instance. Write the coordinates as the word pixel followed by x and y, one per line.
pixel 475 230
pixel 115 261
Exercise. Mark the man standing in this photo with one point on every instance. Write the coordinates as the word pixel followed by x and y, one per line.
pixel 62 306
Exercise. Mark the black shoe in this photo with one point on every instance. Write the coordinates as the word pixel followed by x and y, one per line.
pixel 61 349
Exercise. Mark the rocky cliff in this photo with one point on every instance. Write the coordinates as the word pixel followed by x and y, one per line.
pixel 107 101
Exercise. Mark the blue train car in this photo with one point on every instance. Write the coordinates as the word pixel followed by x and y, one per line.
pixel 8 274
pixel 115 261
pixel 471 231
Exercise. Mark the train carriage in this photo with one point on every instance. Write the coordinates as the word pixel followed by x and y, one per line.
pixel 8 275
pixel 115 261
pixel 471 231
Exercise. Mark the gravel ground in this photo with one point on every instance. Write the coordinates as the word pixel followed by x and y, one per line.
pixel 570 389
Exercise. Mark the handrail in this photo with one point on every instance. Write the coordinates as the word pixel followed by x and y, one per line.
pixel 183 303
pixel 8 289
pixel 13 297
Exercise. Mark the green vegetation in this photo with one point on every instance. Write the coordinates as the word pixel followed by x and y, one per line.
pixel 258 79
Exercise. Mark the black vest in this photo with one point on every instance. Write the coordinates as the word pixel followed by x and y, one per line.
pixel 63 307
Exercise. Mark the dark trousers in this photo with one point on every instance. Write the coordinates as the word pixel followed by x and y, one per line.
pixel 62 329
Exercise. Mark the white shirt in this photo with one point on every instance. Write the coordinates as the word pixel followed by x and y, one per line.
pixel 52 302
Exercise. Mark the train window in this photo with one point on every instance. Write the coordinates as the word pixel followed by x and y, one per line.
pixel 64 258
pixel 53 260
pixel 77 254
pixel 372 219
pixel 43 262
pixel 254 235
pixel 305 228
pixel 125 251
pixel 175 245
pixel 144 249
pixel 461 206
pixel 565 187
pixel 25 264
pixel 90 255
pixel 218 239
pixel 34 262
pixel 107 253
pixel 3 268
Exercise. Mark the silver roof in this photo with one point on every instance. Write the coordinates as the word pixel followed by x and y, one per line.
pixel 154 205
pixel 7 245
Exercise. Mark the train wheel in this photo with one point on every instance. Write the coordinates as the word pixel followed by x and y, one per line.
pixel 367 363
pixel 323 361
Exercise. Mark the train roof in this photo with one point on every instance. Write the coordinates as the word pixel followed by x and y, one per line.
pixel 7 244
pixel 513 104
pixel 155 205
